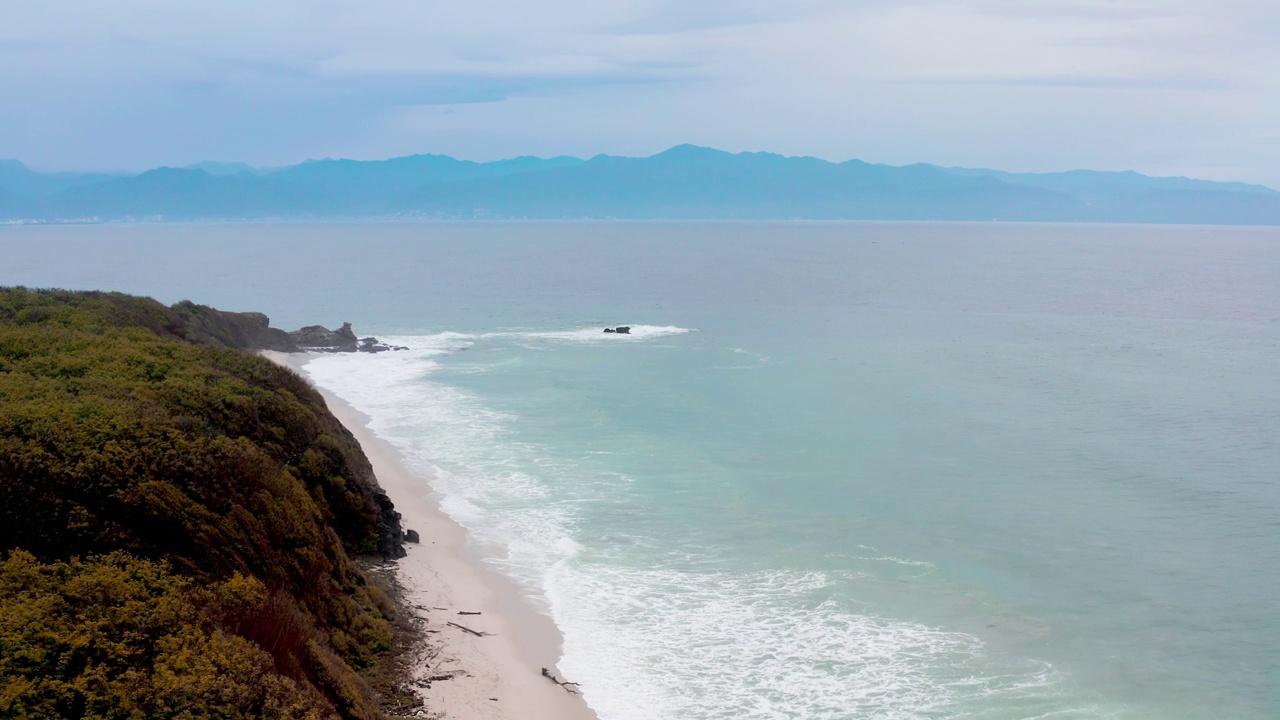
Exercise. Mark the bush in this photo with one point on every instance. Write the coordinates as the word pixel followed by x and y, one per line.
pixel 222 474
pixel 117 637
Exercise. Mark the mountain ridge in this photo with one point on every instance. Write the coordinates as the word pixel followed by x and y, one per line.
pixel 683 182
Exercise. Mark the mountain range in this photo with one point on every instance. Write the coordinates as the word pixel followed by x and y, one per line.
pixel 685 182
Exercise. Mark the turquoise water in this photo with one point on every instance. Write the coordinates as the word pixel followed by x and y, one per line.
pixel 840 471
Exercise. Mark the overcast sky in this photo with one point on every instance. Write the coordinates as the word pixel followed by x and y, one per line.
pixel 1185 87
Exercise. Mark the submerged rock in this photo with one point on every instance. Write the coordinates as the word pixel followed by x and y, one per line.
pixel 621 330
pixel 373 345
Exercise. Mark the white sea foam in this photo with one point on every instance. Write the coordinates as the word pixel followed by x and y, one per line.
pixel 596 334
pixel 443 432
pixel 884 558
pixel 760 361
pixel 646 638
pixel 427 345
pixel 658 643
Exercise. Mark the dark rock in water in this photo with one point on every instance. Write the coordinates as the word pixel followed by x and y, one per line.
pixel 373 345
pixel 623 330
pixel 412 536
pixel 609 330
pixel 321 339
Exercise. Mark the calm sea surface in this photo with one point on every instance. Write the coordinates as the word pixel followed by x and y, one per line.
pixel 839 470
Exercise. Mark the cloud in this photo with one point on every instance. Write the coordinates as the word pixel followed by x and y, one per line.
pixel 1109 82
pixel 1117 83
pixel 1136 43
pixel 671 17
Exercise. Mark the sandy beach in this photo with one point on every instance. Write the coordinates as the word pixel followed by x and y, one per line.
pixel 491 677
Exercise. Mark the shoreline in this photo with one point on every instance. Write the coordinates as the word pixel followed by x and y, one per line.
pixel 494 677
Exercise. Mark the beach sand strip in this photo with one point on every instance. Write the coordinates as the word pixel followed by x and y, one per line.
pixel 495 674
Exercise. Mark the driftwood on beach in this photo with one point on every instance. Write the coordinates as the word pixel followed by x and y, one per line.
pixel 562 683
pixel 464 628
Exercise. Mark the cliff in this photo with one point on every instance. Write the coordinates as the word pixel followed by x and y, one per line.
pixel 179 520
pixel 244 331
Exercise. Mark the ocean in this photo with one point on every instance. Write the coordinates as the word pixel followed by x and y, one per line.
pixel 837 470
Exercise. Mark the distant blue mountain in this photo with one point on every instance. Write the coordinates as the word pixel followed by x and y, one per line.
pixel 179 193
pixel 1092 184
pixel 19 181
pixel 377 186
pixel 685 182
pixel 1133 197
pixel 226 168
pixel 690 182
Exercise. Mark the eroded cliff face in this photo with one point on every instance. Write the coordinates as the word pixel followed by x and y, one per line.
pixel 240 330
pixel 252 331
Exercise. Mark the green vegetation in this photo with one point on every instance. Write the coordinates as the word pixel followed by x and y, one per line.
pixel 179 520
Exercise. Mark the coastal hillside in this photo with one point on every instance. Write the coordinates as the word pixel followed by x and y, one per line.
pixel 179 521
pixel 684 182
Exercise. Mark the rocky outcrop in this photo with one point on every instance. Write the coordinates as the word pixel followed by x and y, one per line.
pixel 252 331
pixel 373 345
pixel 390 536
pixel 620 330
pixel 240 330
pixel 317 338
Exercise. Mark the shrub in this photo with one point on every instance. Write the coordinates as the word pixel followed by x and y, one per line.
pixel 227 479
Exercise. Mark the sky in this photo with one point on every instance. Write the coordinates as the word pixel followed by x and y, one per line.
pixel 1167 87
